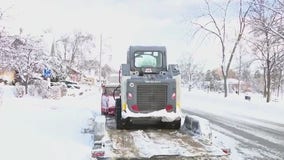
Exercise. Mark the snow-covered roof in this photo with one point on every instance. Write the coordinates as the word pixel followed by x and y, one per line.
pixel 231 81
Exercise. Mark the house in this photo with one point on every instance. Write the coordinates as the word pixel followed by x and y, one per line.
pixel 7 75
pixel 234 83
pixel 74 74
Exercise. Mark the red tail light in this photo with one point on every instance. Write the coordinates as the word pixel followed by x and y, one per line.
pixel 97 154
pixel 129 96
pixel 174 96
pixel 226 151
pixel 169 108
pixel 135 108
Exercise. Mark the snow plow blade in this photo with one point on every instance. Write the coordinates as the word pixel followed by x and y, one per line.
pixel 200 128
pixel 197 126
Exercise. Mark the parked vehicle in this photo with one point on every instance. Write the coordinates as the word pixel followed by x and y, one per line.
pixel 72 85
pixel 108 99
pixel 73 88
pixel 3 81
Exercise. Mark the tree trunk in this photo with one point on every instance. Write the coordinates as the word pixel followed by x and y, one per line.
pixel 26 87
pixel 225 87
pixel 264 78
pixel 225 81
pixel 240 71
pixel 268 82
pixel 239 86
pixel 268 97
pixel 65 52
pixel 279 84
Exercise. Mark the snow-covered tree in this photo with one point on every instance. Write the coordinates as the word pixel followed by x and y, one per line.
pixel 106 70
pixel 210 81
pixel 58 68
pixel 75 51
pixel 5 43
pixel 268 46
pixel 28 57
pixel 74 48
pixel 5 48
pixel 191 72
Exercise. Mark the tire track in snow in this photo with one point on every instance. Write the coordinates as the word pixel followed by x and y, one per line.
pixel 156 144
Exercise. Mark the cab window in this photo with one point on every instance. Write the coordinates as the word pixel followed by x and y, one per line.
pixel 148 59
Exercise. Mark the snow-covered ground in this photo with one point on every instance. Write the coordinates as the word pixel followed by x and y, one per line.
pixel 234 106
pixel 35 128
pixel 251 129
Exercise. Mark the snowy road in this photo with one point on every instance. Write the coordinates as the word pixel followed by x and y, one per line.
pixel 153 143
pixel 253 138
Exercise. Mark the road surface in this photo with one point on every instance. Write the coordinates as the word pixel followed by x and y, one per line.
pixel 252 138
pixel 156 144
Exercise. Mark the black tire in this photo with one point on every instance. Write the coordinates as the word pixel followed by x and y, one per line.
pixel 118 120
pixel 172 125
pixel 176 124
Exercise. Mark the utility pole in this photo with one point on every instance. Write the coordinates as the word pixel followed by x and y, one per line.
pixel 100 67
pixel 240 69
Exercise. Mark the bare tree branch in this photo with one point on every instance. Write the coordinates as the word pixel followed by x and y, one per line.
pixel 220 31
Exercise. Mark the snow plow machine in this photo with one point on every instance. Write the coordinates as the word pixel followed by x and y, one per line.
pixel 148 121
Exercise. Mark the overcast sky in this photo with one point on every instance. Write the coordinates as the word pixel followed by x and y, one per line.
pixel 121 22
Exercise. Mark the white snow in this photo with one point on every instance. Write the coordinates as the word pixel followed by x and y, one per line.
pixel 235 107
pixel 99 127
pixel 34 128
pixel 166 116
pixel 148 147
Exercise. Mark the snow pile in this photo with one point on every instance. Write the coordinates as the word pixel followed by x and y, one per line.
pixel 149 148
pixel 99 127
pixel 34 128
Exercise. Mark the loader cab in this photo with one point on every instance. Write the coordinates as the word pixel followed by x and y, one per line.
pixel 147 60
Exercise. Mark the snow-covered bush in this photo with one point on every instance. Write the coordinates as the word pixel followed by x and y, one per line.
pixel 1 94
pixel 36 89
pixel 55 92
pixel 63 89
pixel 41 88
pixel 32 90
pixel 19 91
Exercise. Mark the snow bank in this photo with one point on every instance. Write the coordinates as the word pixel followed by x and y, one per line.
pixel 34 128
pixel 99 128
